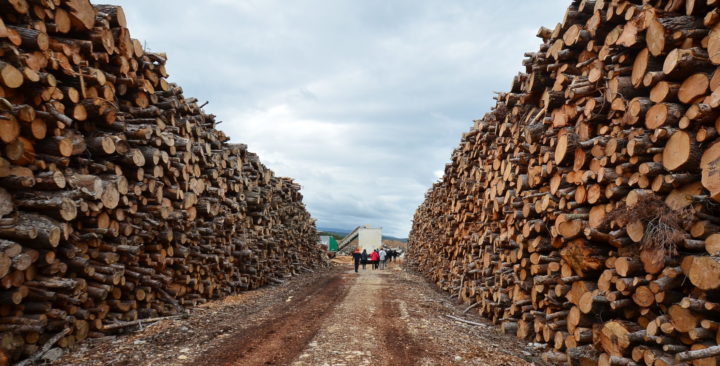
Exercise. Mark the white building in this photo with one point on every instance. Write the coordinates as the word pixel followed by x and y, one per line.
pixel 369 238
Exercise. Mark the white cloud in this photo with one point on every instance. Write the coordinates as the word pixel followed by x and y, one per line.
pixel 361 102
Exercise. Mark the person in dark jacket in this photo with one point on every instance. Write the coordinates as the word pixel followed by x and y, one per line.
pixel 357 256
pixel 364 257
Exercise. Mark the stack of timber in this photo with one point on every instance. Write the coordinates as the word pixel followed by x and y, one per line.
pixel 583 210
pixel 119 200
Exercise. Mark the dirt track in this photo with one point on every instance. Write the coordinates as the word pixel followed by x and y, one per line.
pixel 376 317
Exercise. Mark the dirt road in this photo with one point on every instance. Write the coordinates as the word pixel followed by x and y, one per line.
pixel 375 317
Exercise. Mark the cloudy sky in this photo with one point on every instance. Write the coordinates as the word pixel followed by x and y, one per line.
pixel 361 101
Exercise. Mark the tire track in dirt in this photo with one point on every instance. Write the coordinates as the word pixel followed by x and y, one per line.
pixel 337 317
pixel 279 340
pixel 402 349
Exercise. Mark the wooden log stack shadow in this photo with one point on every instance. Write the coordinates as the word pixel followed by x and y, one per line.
pixel 583 210
pixel 119 198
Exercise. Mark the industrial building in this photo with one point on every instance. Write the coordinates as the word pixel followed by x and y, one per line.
pixel 367 238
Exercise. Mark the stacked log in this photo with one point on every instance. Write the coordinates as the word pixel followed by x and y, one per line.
pixel 119 198
pixel 583 210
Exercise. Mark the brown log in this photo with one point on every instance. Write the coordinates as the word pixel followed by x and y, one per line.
pixel 681 152
pixel 698 354
pixel 703 272
pixel 710 165
pixel 661 30
pixel 663 114
pixel 617 336
pixel 693 87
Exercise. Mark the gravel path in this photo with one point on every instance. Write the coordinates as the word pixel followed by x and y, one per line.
pixel 334 318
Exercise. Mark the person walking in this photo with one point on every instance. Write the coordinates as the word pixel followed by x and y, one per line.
pixel 383 257
pixel 364 257
pixel 375 257
pixel 356 258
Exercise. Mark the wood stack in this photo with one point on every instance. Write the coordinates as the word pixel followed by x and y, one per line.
pixel 119 199
pixel 583 211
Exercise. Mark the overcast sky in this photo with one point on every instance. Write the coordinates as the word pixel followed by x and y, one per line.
pixel 362 101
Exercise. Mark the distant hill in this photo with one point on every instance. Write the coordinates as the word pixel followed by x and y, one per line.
pixel 334 230
pixel 337 236
pixel 341 233
pixel 402 240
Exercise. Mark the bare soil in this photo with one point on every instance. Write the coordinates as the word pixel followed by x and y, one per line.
pixel 335 317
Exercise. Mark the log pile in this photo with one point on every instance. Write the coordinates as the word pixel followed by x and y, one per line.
pixel 119 200
pixel 583 210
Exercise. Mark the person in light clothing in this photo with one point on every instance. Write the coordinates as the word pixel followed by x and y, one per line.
pixel 383 257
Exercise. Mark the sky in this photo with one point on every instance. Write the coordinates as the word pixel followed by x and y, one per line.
pixel 361 102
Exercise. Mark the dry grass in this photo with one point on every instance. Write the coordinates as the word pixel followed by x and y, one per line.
pixel 664 227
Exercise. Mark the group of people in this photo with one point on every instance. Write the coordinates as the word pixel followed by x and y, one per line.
pixel 378 258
